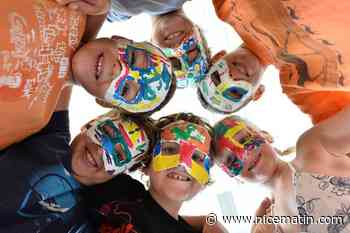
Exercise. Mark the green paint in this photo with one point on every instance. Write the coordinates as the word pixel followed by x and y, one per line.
pixel 190 132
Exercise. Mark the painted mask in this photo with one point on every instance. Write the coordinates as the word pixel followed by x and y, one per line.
pixel 123 142
pixel 235 139
pixel 222 92
pixel 184 144
pixel 146 67
pixel 189 71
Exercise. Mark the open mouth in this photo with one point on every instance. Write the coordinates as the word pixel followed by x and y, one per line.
pixel 99 64
pixel 235 93
pixel 179 176
pixel 255 162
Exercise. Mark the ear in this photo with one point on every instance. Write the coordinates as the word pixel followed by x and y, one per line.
pixel 104 103
pixel 218 56
pixel 146 170
pixel 259 92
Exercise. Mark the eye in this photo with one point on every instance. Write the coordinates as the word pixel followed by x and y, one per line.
pixel 175 63
pixel 125 89
pixel 170 148
pixel 215 78
pixel 193 54
pixel 243 140
pixel 198 157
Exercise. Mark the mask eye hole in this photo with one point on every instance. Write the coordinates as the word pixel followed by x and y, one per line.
pixel 109 131
pixel 170 148
pixel 193 54
pixel 175 63
pixel 130 90
pixel 215 78
pixel 119 149
pixel 198 157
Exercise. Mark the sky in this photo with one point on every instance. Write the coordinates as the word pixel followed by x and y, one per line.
pixel 273 113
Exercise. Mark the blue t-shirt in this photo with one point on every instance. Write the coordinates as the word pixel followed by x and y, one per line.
pixel 124 9
pixel 38 193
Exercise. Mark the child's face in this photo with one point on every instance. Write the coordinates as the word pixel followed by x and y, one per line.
pixel 243 151
pixel 107 147
pixel 180 166
pixel 133 76
pixel 185 46
pixel 232 81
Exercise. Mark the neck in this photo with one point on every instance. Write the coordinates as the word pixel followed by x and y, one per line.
pixel 170 206
pixel 276 174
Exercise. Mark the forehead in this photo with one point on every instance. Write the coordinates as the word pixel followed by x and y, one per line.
pixel 182 130
pixel 233 126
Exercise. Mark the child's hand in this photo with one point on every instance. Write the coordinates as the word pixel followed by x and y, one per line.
pixel 88 7
pixel 263 210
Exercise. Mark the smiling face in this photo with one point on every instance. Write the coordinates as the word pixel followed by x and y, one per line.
pixel 185 46
pixel 133 76
pixel 107 147
pixel 243 151
pixel 180 166
pixel 232 82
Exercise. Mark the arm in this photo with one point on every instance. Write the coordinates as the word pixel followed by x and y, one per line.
pixel 63 101
pixel 199 223
pixel 96 11
pixel 93 26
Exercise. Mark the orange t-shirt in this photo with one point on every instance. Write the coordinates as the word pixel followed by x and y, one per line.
pixel 305 40
pixel 37 41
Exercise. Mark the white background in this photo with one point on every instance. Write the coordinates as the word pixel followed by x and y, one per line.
pixel 273 112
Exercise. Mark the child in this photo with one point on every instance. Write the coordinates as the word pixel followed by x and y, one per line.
pixel 36 62
pixel 303 187
pixel 232 82
pixel 110 144
pixel 305 41
pixel 178 171
pixel 174 32
pixel 42 194
pixel 184 43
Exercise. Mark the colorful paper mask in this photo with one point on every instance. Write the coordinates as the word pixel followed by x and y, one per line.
pixel 184 144
pixel 234 138
pixel 123 142
pixel 144 67
pixel 223 93
pixel 187 72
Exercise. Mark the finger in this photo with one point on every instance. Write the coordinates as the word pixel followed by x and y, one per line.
pixel 264 205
